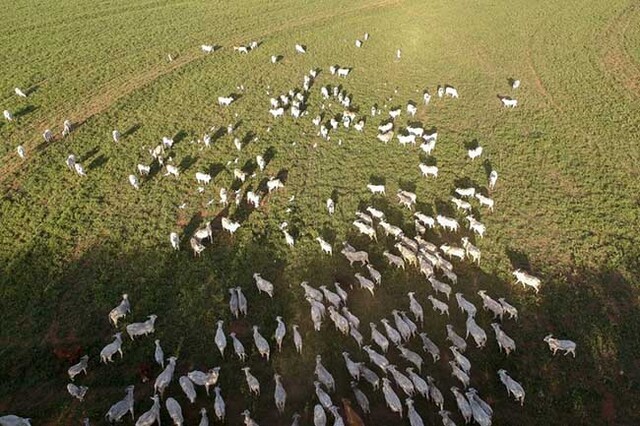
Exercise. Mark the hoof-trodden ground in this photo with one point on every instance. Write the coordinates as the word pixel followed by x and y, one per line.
pixel 170 113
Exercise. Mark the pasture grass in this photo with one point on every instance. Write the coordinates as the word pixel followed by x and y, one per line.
pixel 566 200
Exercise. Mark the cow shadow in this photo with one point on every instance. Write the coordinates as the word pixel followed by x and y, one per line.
pixel 249 167
pixel 335 195
pixel 179 136
pixel 269 154
pixel 328 233
pixel 444 208
pixel 31 90
pixel 518 259
pixel 187 162
pixel 98 162
pixel 28 109
pixel 215 169
pixel 247 139
pixel 89 154
pixel 193 225
pixel 154 169
pixel 464 182
pixel 283 175
pixel 131 130
pixel 472 144
pixel 428 160
pixel 377 180
pixel 407 185
pixel 219 133
pixel 488 167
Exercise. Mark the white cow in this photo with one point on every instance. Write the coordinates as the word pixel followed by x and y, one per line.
pixel 567 346
pixel 509 103
pixel 174 239
pixel 385 128
pixel 415 130
pixel 406 139
pixel 447 223
pixel 203 178
pixel 254 199
pixel 427 221
pixel 376 189
pixel 144 170
pixel 325 246
pixel 427 147
pixel 493 178
pixel 466 192
pixel 461 204
pixel 385 137
pixel 476 226
pixel 428 170
pixel 512 386
pixel 485 201
pixel 343 72
pixel 527 280
pixel 225 100
pixel 451 91
pixel 206 48
pixel 331 206
pixel 229 225
pixel 277 112
pixel 172 170
pixel 133 180
pixel 80 170
pixel 395 113
pixel 47 135
pixel 239 174
pixel 475 152
pixel 273 184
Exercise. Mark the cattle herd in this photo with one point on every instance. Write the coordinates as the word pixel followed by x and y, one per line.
pixel 370 368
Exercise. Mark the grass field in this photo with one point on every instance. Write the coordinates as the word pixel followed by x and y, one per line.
pixel 567 203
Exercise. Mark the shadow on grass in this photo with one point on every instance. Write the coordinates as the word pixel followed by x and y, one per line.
pixel 53 310
pixel 98 162
pixel 25 110
pixel 187 162
pixel 132 130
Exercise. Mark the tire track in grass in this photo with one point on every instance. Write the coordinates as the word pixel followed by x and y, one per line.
pixel 615 60
pixel 537 79
pixel 111 95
